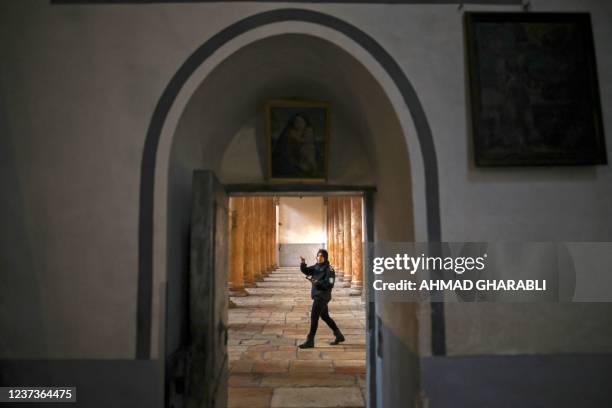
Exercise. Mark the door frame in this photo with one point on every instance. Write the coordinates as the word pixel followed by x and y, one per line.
pixel 367 192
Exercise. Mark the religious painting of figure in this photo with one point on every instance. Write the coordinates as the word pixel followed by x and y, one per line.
pixel 534 89
pixel 298 140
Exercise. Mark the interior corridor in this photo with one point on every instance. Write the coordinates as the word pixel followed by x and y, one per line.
pixel 267 369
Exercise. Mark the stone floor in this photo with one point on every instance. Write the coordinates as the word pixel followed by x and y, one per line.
pixel 267 369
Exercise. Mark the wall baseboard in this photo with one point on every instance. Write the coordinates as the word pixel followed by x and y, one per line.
pixel 572 380
pixel 99 383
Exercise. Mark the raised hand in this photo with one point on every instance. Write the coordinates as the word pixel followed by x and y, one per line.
pixel 302 260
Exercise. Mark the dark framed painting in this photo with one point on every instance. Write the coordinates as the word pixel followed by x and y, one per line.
pixel 298 140
pixel 534 92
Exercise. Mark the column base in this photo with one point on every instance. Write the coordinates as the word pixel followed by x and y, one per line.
pixel 356 289
pixel 250 285
pixel 238 292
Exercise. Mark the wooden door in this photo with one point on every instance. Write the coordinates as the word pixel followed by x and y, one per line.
pixel 208 374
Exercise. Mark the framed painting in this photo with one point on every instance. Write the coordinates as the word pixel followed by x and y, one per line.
pixel 534 91
pixel 298 140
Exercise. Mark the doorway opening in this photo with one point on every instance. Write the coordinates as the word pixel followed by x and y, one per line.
pixel 203 128
pixel 270 300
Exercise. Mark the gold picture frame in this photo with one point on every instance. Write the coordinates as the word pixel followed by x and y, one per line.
pixel 298 134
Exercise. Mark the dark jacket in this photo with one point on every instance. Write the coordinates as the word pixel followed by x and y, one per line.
pixel 318 272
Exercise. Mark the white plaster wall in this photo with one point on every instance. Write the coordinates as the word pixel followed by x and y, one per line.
pixel 301 229
pixel 302 220
pixel 79 85
pixel 515 204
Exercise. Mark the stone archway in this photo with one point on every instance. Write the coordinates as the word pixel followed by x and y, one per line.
pixel 169 108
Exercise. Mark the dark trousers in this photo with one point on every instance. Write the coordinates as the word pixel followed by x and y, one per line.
pixel 319 309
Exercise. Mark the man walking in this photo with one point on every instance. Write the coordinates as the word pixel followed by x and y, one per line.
pixel 322 277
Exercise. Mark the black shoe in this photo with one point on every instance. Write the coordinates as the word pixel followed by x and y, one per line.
pixel 309 343
pixel 339 338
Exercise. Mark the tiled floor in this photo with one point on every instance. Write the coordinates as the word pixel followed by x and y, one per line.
pixel 266 367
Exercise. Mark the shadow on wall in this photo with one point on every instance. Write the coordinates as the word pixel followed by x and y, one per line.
pixel 22 337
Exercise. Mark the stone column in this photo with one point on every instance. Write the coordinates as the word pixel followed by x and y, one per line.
pixel 256 239
pixel 356 247
pixel 339 238
pixel 346 205
pixel 331 205
pixel 266 232
pixel 249 249
pixel 274 226
pixel 259 239
pixel 236 280
pixel 328 245
pixel 332 233
pixel 272 233
pixel 263 267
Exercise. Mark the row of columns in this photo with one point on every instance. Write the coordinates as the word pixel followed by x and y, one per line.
pixel 344 240
pixel 253 240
